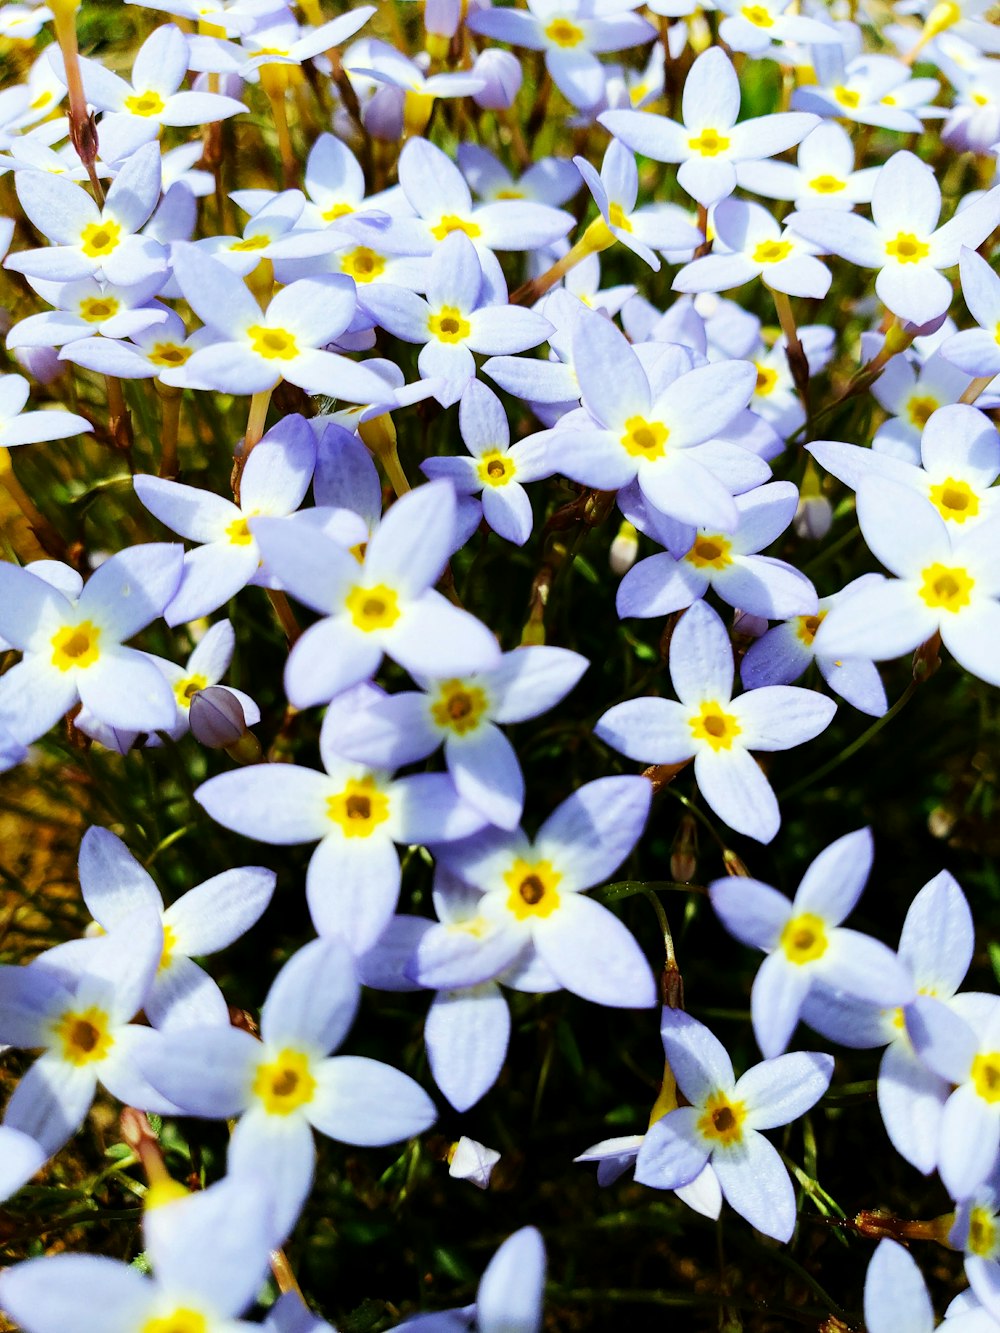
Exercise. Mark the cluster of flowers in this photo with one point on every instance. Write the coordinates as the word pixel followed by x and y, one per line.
pixel 676 417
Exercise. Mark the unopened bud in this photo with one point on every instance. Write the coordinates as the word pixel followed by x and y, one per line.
pixel 684 852
pixel 503 75
pixel 733 865
pixel 472 1161
pixel 383 114
pixel 41 363
pixel 927 658
pixel 813 517
pixel 624 549
pixel 217 721
pixel 442 17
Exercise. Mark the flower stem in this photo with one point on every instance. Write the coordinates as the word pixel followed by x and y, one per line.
pixel 47 536
pixel 797 361
pixel 854 746
pixel 597 237
pixel 259 404
pixel 976 388
pixel 170 399
pixel 82 129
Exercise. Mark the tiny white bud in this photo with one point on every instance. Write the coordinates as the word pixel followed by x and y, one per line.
pixel 472 1161
pixel 813 517
pixel 624 549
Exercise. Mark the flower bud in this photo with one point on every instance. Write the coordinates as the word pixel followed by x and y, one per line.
pixel 383 116
pixel 813 517
pixel 502 72
pixel 472 1161
pixel 442 17
pixel 684 852
pixel 217 721
pixel 41 363
pixel 624 549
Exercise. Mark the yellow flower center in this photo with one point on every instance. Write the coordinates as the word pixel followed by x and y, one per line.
pixel 980 99
pixel 145 104
pixel 362 264
pixel 947 587
pixel 955 500
pixel 804 938
pixel 273 344
pixel 239 533
pixel 982 1238
pixel 919 409
pixel 564 33
pixel 84 1035
pixel 168 354
pixel 181 1320
pixel 450 222
pixel 188 686
pixel 532 888
pixel 509 193
pixel 827 184
pixel 907 248
pixel 459 707
pixel 336 211
pixel 986 1076
pixel 284 1083
pixel 722 1120
pixel 449 325
pixel 359 809
pixel 76 646
pixel 758 16
pixel 644 439
pixel 710 552
pixel 100 238
pixel 767 378
pixel 806 627
pixel 249 243
pixel 169 945
pixel 495 468
pixel 43 99
pixel 709 143
pixel 848 97
pixel 771 252
pixel 711 724
pixel 617 218
pixel 95 308
pixel 373 608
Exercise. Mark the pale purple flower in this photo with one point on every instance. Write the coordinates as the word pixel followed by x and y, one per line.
pixel 287 1084
pixel 709 143
pixel 714 729
pixel 88 241
pixel 904 241
pixel 946 584
pixel 464 713
pixel 461 315
pixel 533 901
pixel 72 646
pixel 356 814
pixel 722 1122
pixel 385 604
pixel 805 942
pixel 209 1252
pixel 750 243
pixel 727 563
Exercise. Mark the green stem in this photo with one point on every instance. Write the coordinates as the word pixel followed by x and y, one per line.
pixel 854 746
